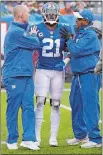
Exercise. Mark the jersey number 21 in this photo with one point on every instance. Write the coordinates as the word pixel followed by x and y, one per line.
pixel 51 42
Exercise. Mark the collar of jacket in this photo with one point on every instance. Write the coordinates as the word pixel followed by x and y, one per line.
pixel 82 28
pixel 22 25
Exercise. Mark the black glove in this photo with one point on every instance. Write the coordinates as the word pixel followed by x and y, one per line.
pixel 65 34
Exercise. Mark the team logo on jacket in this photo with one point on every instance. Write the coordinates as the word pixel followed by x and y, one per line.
pixel 77 40
pixel 25 34
pixel 40 34
pixel 51 32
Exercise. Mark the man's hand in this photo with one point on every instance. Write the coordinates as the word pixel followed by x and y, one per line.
pixel 65 34
pixel 98 68
pixel 34 30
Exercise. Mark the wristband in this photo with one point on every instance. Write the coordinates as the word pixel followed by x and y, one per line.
pixel 66 60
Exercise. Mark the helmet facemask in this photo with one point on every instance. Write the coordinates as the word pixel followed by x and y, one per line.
pixel 50 13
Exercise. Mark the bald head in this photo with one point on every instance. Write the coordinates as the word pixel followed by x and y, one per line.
pixel 20 13
pixel 19 9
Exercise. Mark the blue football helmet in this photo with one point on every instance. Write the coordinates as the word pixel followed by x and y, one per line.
pixel 50 13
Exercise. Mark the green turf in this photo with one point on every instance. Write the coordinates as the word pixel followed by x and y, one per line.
pixel 65 131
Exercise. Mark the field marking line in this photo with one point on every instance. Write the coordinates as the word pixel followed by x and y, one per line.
pixel 68 108
pixel 3 142
pixel 62 106
pixel 3 90
pixel 65 89
pixel 100 121
pixel 65 107
pixel 68 89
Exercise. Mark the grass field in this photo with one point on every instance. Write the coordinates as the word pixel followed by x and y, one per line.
pixel 65 131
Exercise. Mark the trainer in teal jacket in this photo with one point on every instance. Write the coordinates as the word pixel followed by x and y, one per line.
pixel 84 54
pixel 17 76
pixel 18 49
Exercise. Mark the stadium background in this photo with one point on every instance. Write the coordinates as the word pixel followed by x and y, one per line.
pixel 36 17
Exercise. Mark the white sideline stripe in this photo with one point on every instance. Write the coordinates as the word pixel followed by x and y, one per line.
pixel 3 90
pixel 68 89
pixel 65 89
pixel 65 107
pixel 3 142
pixel 62 106
pixel 68 108
pixel 100 121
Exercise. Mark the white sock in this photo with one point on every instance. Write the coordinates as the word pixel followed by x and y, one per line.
pixel 55 121
pixel 38 120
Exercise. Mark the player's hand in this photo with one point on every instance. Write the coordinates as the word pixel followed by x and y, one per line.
pixel 61 65
pixel 65 34
pixel 98 68
pixel 96 71
pixel 34 30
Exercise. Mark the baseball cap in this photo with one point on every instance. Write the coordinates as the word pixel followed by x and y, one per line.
pixel 85 14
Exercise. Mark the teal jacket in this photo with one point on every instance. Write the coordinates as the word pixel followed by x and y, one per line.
pixel 18 49
pixel 84 50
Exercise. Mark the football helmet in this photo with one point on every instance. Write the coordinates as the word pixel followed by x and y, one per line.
pixel 50 13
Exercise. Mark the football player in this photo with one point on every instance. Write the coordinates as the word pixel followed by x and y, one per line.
pixel 48 78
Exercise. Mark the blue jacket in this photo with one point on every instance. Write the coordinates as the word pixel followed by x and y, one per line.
pixel 18 50
pixel 84 50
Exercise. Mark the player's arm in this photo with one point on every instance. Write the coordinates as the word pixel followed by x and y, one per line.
pixel 64 62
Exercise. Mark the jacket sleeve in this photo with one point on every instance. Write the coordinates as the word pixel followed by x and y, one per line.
pixel 77 48
pixel 26 41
